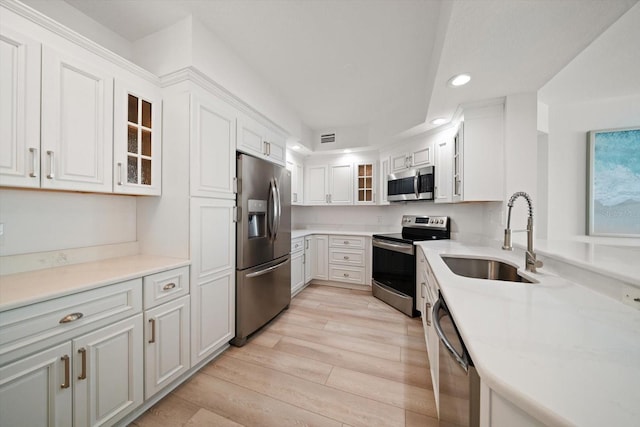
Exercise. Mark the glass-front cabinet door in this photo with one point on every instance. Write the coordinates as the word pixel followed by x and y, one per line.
pixel 137 139
pixel 365 191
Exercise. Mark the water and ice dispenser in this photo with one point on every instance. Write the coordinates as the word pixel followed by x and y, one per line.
pixel 257 218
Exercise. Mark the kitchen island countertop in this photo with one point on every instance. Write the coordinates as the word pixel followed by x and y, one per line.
pixel 560 351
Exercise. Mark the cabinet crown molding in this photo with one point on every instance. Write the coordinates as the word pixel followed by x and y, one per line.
pixel 44 21
pixel 194 75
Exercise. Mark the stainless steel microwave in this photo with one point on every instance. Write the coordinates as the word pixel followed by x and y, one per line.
pixel 412 184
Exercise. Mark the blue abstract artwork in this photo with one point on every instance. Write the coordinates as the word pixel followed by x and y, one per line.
pixel 614 202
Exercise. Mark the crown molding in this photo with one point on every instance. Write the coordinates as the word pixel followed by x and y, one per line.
pixel 194 75
pixel 55 27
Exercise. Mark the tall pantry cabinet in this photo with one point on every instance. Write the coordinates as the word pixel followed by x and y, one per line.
pixel 194 218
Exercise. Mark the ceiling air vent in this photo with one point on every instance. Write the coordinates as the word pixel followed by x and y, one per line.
pixel 327 137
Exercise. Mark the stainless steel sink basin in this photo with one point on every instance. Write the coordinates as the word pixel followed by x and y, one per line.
pixel 478 268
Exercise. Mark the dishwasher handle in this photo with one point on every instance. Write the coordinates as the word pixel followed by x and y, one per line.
pixel 462 359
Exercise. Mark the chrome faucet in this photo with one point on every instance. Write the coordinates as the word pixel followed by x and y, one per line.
pixel 530 257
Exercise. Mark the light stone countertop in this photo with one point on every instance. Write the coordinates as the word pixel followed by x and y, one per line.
pixel 21 289
pixel 307 232
pixel 560 351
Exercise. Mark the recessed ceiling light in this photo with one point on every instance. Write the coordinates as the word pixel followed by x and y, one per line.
pixel 347 151
pixel 296 147
pixel 439 121
pixel 459 80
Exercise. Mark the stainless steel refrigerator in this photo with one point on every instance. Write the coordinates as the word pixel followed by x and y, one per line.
pixel 263 242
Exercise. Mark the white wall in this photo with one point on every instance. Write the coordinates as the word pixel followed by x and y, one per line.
pixel 568 127
pixel 38 221
pixel 166 50
pixel 468 220
pixel 521 154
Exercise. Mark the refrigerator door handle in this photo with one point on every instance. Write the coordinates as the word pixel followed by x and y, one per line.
pixel 267 270
pixel 272 210
pixel 278 208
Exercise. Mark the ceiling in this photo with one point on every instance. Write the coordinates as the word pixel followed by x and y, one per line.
pixel 357 63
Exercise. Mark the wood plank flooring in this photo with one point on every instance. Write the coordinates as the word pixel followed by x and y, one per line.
pixel 337 357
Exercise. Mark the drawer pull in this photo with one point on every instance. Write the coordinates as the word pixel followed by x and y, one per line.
pixel 71 317
pixel 153 331
pixel 67 372
pixel 346 242
pixel 83 373
pixel 345 257
pixel 346 274
pixel 168 286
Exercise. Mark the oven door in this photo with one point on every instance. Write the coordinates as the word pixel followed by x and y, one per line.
pixel 394 274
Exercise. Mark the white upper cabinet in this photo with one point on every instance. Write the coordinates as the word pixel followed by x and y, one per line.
pixel 443 171
pixel 257 140
pixel 297 182
pixel 419 156
pixel 137 145
pixel 77 122
pixel 19 109
pixel 341 184
pixel 478 155
pixel 329 184
pixel 213 142
pixel 316 185
pixel 365 183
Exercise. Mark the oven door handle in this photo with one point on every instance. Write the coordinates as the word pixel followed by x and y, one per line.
pixel 416 190
pixel 460 358
pixel 395 247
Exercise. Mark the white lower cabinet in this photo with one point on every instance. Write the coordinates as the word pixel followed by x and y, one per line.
pixel 347 259
pixel 308 258
pixel 35 391
pixel 297 271
pixel 320 260
pixel 167 344
pixel 213 286
pixel 94 379
pixel 108 373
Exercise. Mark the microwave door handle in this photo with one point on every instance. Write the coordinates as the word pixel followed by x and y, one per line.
pixel 416 190
pixel 435 318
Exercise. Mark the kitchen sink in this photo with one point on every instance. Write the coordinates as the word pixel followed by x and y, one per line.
pixel 479 268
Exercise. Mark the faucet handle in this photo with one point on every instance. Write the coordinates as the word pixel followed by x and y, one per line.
pixel 531 262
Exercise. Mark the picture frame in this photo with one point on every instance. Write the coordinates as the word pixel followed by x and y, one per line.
pixel 613 182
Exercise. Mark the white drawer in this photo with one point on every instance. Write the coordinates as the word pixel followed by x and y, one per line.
pixel 165 286
pixel 347 274
pixel 297 244
pixel 353 257
pixel 51 321
pixel 351 242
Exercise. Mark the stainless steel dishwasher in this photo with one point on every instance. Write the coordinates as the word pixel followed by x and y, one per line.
pixel 459 391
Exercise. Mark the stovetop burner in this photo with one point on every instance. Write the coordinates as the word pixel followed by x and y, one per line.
pixel 419 228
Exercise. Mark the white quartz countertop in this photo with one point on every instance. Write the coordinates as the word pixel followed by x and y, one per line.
pixel 307 232
pixel 560 351
pixel 27 288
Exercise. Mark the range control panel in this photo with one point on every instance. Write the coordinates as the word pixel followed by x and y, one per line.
pixel 433 222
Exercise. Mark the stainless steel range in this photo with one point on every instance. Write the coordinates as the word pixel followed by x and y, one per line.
pixel 394 260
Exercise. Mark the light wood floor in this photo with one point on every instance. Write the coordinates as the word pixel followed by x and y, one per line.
pixel 337 357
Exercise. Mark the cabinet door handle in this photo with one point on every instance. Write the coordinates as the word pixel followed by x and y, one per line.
pixel 304 258
pixel 51 173
pixel 120 180
pixel 34 164
pixel 67 372
pixel 168 286
pixel 83 357
pixel 153 331
pixel 71 318
pixel 428 309
pixel 422 288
